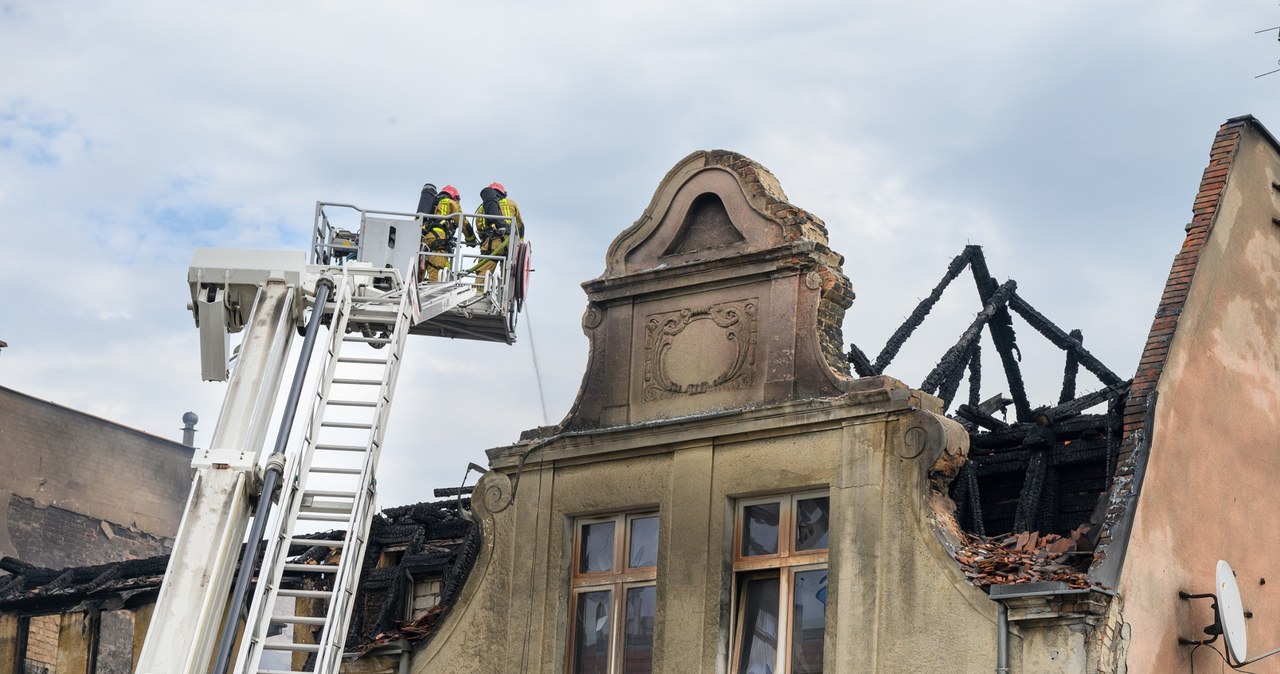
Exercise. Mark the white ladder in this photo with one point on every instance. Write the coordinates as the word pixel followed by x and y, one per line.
pixel 331 480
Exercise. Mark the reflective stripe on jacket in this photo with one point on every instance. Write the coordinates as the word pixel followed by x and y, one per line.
pixel 442 229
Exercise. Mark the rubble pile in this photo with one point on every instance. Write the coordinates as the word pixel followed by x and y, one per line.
pixel 414 631
pixel 1027 557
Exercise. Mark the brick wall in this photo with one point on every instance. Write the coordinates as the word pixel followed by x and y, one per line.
pixel 84 464
pixel 55 538
pixel 42 644
pixel 1165 323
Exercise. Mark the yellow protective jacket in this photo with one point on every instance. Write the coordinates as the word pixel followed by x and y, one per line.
pixel 439 231
pixel 493 245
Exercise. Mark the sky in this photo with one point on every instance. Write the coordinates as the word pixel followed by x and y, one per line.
pixel 1067 139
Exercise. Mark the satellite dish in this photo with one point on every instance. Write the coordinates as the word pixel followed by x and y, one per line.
pixel 1231 612
pixel 1228 619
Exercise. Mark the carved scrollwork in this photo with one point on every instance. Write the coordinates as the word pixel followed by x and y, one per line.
pixel 721 356
pixel 493 493
pixel 591 317
pixel 914 441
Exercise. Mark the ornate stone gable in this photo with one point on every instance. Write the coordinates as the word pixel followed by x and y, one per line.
pixel 721 296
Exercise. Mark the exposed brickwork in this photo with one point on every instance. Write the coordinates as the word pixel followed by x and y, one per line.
pixel 800 225
pixel 42 643
pixel 55 538
pixel 81 463
pixel 1113 640
pixel 1165 323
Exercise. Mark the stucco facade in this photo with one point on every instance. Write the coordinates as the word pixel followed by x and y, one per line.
pixel 1209 487
pixel 687 412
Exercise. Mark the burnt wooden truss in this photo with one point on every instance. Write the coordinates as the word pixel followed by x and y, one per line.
pixel 1045 470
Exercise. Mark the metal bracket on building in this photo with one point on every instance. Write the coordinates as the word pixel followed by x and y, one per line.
pixel 1214 629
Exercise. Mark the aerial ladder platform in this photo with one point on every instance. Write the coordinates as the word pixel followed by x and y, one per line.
pixel 362 282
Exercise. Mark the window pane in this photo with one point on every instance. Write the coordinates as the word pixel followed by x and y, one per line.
pixel 637 653
pixel 812 523
pixel 760 529
pixel 758 653
pixel 597 548
pixel 808 617
pixel 591 634
pixel 644 542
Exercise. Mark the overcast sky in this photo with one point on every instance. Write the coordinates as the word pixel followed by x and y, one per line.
pixel 1068 139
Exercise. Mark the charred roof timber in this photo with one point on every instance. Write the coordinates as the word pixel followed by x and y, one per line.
pixel 426 540
pixel 1045 471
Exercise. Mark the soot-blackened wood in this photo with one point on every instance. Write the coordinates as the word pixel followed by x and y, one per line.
pixel 859 361
pixel 1073 408
pixel 1024 519
pixel 922 310
pixel 975 375
pixel 1062 340
pixel 968 500
pixel 1001 327
pixel 1070 371
pixel 951 382
pixel 955 356
pixel 979 418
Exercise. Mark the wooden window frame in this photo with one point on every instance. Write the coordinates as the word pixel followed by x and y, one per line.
pixel 785 563
pixel 618 580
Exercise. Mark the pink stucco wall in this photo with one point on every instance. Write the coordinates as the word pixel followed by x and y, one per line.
pixel 1212 486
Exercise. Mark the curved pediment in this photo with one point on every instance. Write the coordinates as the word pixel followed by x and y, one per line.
pixel 706 216
pixel 721 295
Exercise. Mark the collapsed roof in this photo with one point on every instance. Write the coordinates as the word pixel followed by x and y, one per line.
pixel 1047 469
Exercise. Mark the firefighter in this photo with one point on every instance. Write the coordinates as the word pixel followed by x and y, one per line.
pixel 437 233
pixel 494 235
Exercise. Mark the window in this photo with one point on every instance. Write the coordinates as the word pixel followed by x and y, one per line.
pixel 613 596
pixel 780 584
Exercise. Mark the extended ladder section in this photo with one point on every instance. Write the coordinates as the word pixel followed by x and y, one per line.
pixel 304 606
pixel 497 281
pixel 386 284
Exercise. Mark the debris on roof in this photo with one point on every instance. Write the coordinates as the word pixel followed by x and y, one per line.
pixel 1027 557
pixel 1045 470
pixel 28 587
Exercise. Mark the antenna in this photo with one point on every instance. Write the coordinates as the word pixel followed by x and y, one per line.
pixel 1228 618
pixel 1268 30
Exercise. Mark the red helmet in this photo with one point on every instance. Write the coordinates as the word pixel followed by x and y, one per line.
pixel 499 187
pixel 451 191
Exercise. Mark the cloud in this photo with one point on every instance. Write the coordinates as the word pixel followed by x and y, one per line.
pixel 1066 139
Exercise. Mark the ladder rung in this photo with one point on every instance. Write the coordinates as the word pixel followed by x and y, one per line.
pixel 328 493
pixel 367 340
pixel 298 619
pixel 312 568
pixel 336 470
pixel 322 517
pixel 346 424
pixel 276 646
pixel 342 508
pixel 354 403
pixel 343 448
pixel 362 382
pixel 318 543
pixel 306 594
pixel 362 361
